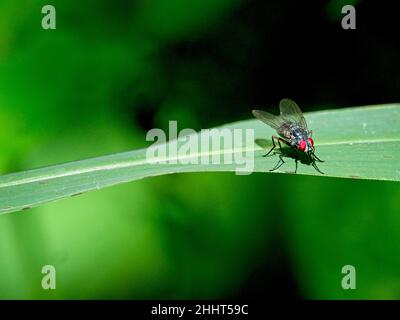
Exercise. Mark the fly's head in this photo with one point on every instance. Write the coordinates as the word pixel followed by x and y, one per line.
pixel 306 144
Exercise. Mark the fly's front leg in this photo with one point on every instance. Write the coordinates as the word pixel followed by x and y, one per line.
pixel 316 168
pixel 314 157
pixel 318 158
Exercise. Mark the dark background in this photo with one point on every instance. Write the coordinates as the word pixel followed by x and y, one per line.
pixel 114 69
pixel 265 50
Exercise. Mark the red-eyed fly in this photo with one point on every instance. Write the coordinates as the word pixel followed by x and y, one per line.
pixel 292 130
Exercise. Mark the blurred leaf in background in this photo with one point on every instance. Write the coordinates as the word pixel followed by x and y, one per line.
pixel 114 69
pixel 62 88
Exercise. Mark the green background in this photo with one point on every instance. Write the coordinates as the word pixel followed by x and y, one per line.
pixel 114 69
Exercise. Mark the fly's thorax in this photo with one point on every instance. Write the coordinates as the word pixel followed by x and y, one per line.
pixel 300 139
pixel 297 134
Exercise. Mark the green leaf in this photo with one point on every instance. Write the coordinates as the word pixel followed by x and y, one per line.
pixel 362 143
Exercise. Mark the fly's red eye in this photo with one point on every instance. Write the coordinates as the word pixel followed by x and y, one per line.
pixel 311 141
pixel 302 145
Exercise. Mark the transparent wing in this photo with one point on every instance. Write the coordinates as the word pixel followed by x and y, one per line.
pixel 273 121
pixel 290 112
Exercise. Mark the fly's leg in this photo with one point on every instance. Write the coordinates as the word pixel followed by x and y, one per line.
pixel 279 164
pixel 280 146
pixel 316 168
pixel 317 157
pixel 282 140
pixel 274 144
pixel 295 171
pixel 273 147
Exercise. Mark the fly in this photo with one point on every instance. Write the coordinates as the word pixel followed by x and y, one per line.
pixel 291 127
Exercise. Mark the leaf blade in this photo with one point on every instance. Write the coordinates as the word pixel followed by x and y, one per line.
pixel 358 143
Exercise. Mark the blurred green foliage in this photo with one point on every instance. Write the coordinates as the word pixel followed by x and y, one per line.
pixel 69 94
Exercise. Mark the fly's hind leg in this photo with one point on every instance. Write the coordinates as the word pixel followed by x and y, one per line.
pixel 273 147
pixel 279 164
pixel 280 146
pixel 279 139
